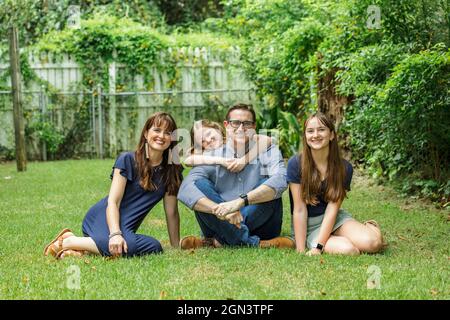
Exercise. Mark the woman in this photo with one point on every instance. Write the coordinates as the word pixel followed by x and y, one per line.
pixel 319 180
pixel 140 180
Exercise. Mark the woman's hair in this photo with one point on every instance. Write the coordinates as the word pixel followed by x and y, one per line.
pixel 203 124
pixel 310 175
pixel 171 172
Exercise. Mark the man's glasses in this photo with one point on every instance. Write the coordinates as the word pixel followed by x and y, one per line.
pixel 237 123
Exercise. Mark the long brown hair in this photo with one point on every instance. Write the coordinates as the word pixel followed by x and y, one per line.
pixel 204 123
pixel 311 180
pixel 171 172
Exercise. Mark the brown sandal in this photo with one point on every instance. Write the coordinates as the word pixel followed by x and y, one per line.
pixel 50 248
pixel 69 253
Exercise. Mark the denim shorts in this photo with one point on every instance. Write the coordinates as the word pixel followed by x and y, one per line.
pixel 314 224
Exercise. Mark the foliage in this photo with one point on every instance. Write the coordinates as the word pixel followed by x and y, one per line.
pixel 46 131
pixel 393 74
pixel 188 12
pixel 37 18
pixel 401 126
pixel 281 125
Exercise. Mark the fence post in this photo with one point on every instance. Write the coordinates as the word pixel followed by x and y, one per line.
pixel 100 121
pixel 112 109
pixel 44 118
pixel 94 144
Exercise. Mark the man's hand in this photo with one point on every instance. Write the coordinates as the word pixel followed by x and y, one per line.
pixel 235 165
pixel 235 218
pixel 225 208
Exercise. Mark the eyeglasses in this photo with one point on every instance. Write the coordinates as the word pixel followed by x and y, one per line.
pixel 237 123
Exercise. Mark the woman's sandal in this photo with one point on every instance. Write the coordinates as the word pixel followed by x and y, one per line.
pixel 68 253
pixel 375 224
pixel 50 248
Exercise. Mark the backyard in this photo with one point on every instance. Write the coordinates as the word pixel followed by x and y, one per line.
pixel 53 195
pixel 79 79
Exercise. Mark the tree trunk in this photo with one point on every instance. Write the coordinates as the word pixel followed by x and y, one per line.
pixel 329 102
pixel 19 127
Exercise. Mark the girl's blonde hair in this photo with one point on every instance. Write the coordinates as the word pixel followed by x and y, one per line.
pixel 204 123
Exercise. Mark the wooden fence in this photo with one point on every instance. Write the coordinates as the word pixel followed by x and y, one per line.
pixel 115 115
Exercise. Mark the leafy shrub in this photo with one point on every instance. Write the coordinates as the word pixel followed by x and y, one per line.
pixel 46 132
pixel 403 129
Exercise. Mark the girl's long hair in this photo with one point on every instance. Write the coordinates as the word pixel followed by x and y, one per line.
pixel 203 124
pixel 171 172
pixel 310 175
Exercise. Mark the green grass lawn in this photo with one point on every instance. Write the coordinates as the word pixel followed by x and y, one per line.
pixel 35 205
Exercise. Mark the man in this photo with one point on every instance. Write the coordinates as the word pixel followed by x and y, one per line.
pixel 243 208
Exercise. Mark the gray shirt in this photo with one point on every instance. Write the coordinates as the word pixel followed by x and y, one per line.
pixel 269 164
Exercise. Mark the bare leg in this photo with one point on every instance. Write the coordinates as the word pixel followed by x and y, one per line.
pixel 80 244
pixel 340 245
pixel 367 238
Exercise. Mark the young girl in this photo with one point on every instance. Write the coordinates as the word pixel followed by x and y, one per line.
pixel 208 135
pixel 140 180
pixel 319 180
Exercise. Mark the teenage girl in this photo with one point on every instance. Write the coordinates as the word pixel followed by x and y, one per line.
pixel 319 180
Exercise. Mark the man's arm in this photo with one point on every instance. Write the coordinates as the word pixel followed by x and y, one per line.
pixel 276 170
pixel 189 194
pixel 271 189
pixel 205 205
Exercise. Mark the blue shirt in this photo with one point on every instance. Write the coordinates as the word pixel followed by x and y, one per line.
pixel 269 164
pixel 294 176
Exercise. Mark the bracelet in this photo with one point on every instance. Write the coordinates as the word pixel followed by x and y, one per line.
pixel 117 233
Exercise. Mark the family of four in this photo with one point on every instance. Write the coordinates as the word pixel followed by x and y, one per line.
pixel 234 188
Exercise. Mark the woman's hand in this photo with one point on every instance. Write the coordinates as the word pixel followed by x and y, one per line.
pixel 236 165
pixel 117 245
pixel 301 250
pixel 313 252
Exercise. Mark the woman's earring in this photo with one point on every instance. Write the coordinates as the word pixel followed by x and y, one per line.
pixel 146 150
pixel 170 157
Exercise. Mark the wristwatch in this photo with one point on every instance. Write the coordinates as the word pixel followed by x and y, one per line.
pixel 245 197
pixel 320 247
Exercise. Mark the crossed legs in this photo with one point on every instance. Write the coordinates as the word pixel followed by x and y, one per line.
pixel 353 238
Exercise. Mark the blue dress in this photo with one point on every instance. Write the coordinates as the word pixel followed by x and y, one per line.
pixel 134 207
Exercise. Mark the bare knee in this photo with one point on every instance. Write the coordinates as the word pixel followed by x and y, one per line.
pixel 371 243
pixel 344 247
pixel 350 250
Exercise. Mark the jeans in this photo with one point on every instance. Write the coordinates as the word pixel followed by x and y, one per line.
pixel 262 221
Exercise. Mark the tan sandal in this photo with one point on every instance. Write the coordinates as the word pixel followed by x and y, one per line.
pixel 68 253
pixel 50 248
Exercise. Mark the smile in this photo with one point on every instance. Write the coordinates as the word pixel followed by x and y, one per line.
pixel 160 142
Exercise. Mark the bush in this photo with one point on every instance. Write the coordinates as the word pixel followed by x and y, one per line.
pixel 403 128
